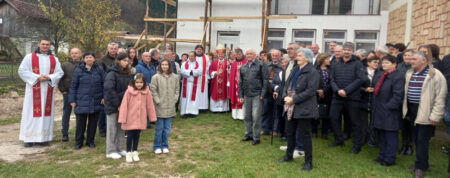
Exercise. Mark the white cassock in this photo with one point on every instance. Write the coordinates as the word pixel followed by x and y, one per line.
pixel 189 106
pixel 202 101
pixel 37 129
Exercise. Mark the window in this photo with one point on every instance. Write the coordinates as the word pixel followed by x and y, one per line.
pixel 229 39
pixel 306 37
pixel 275 39
pixel 332 35
pixel 367 40
pixel 340 7
pixel 318 7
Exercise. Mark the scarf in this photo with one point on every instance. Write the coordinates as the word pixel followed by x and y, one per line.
pixel 381 81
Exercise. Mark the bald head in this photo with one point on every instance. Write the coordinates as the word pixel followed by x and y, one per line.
pixel 75 54
pixel 276 55
pixel 315 48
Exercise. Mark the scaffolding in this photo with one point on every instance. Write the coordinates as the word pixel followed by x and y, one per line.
pixel 144 38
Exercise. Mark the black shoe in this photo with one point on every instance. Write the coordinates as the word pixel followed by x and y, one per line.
pixel 283 139
pixel 65 138
pixel 28 144
pixel 78 146
pixel 102 134
pixel 402 150
pixel 384 163
pixel 336 144
pixel 246 139
pixel 307 167
pixel 409 150
pixel 91 145
pixel 42 144
pixel 356 149
pixel 285 159
pixel 255 142
pixel 378 160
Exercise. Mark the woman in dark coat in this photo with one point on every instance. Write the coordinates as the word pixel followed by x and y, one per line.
pixel 116 83
pixel 324 95
pixel 301 105
pixel 387 109
pixel 366 89
pixel 86 96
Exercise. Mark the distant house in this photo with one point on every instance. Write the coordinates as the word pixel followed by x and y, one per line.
pixel 23 23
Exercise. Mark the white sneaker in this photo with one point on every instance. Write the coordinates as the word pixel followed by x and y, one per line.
pixel 298 154
pixel 158 151
pixel 113 155
pixel 129 156
pixel 123 153
pixel 135 155
pixel 165 150
pixel 283 148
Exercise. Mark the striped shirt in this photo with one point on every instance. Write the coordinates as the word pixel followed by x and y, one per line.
pixel 415 85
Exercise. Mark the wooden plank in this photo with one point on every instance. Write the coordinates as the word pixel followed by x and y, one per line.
pixel 152 19
pixel 205 20
pixel 140 47
pixel 170 2
pixel 272 17
pixel 139 40
pixel 204 35
pixel 161 39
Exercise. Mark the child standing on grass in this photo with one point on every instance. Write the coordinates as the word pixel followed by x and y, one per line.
pixel 137 104
pixel 165 87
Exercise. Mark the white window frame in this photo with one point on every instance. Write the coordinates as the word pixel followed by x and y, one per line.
pixel 312 40
pixel 376 41
pixel 269 38
pixel 325 40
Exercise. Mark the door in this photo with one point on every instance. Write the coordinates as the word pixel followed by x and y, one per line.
pixel 228 39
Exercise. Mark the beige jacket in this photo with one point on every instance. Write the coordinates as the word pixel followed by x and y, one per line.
pixel 165 91
pixel 432 98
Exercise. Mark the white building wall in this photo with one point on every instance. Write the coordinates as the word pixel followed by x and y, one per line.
pixel 250 30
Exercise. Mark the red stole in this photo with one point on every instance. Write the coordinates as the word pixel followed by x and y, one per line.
pixel 194 87
pixel 37 112
pixel 233 91
pixel 203 72
pixel 218 84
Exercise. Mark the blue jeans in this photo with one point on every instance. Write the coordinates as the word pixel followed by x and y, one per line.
pixel 163 126
pixel 447 117
pixel 67 110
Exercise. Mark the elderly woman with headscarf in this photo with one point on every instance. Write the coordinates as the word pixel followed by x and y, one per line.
pixel 301 105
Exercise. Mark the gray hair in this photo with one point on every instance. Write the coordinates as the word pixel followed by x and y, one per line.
pixel 307 53
pixel 295 45
pixel 153 52
pixel 363 52
pixel 275 50
pixel 421 54
pixel 112 44
pixel 382 49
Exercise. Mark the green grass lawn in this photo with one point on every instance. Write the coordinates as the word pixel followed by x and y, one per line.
pixel 210 146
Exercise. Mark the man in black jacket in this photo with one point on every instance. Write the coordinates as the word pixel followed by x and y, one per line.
pixel 252 89
pixel 346 80
pixel 64 84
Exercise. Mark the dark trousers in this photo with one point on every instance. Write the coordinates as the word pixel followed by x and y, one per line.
pixel 279 121
pixel 407 127
pixel 421 136
pixel 102 122
pixel 388 147
pixel 67 110
pixel 325 125
pixel 133 140
pixel 91 120
pixel 347 123
pixel 267 120
pixel 364 114
pixel 352 108
pixel 303 128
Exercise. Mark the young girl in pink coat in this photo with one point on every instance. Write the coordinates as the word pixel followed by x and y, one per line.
pixel 137 106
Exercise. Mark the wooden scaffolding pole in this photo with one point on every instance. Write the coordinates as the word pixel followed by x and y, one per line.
pixel 205 23
pixel 266 27
pixel 146 23
pixel 263 20
pixel 165 25
pixel 210 26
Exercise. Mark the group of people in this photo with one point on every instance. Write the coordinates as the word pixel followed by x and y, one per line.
pixel 291 93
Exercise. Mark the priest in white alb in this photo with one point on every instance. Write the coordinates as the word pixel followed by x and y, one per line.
pixel 191 74
pixel 41 71
pixel 202 91
pixel 219 78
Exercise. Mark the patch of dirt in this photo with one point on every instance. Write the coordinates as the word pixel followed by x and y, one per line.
pixel 11 148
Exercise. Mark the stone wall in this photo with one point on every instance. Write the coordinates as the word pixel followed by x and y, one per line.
pixel 397 25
